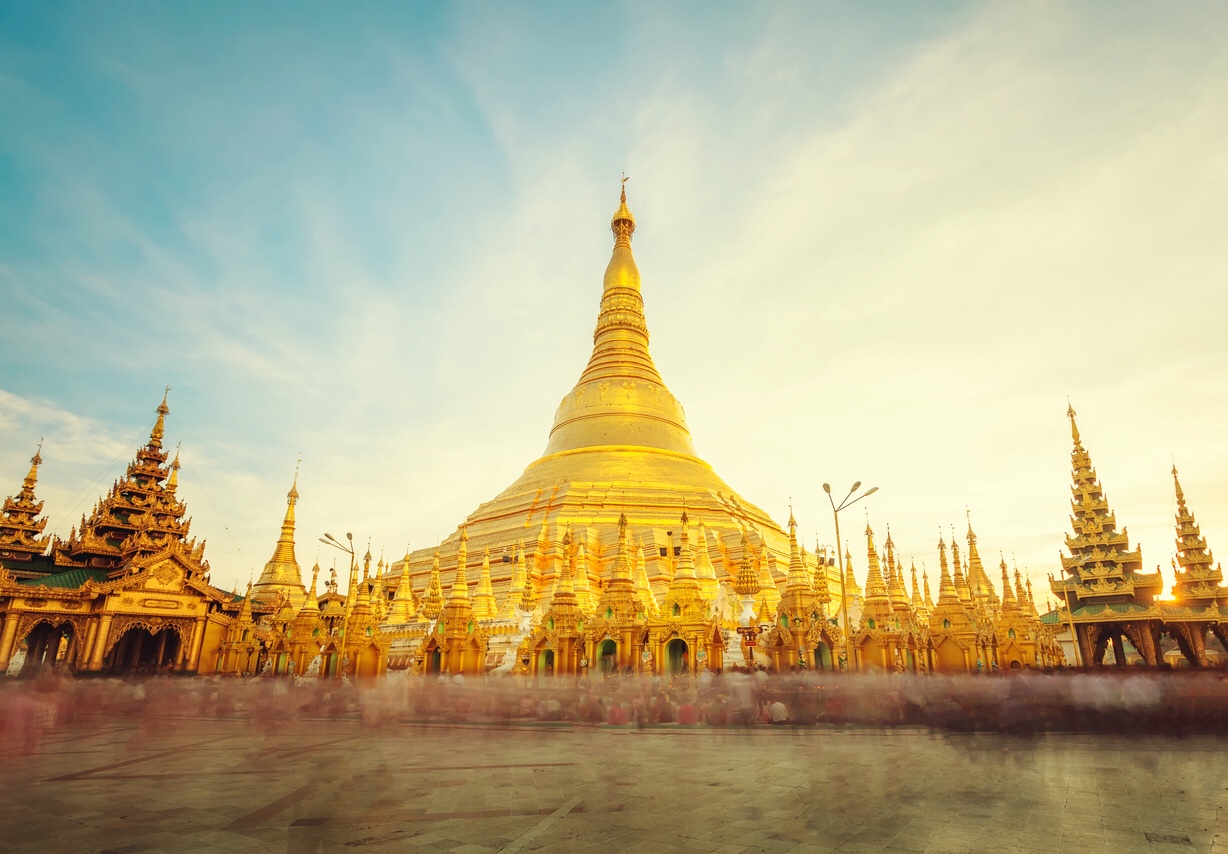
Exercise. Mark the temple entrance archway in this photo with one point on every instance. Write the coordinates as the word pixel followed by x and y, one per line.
pixel 47 645
pixel 140 651
pixel 545 662
pixel 676 658
pixel 949 657
pixel 822 657
pixel 607 657
pixel 366 662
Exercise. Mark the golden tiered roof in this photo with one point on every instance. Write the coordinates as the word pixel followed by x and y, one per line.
pixel 1101 566
pixel 1198 577
pixel 139 517
pixel 21 529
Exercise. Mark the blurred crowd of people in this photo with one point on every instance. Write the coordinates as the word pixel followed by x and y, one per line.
pixel 1105 700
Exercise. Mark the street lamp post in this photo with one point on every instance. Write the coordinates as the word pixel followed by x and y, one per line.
pixel 848 501
pixel 348 548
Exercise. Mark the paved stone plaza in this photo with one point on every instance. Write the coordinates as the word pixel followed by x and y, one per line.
pixel 207 785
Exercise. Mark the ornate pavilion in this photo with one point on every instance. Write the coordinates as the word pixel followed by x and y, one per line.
pixel 127 591
pixel 1109 599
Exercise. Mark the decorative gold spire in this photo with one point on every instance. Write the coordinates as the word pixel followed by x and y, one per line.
pixel 961 583
pixel 1197 576
pixel 620 398
pixel 159 429
pixel 37 460
pixel 1010 605
pixel 520 582
pixel 583 586
pixel 747 583
pixel 822 589
pixel 685 573
pixel 172 482
pixel 709 587
pixel 20 526
pixel 978 580
pixel 643 589
pixel 484 600
pixel 460 585
pixel 946 587
pixel 405 603
pixel 876 606
pixel 565 591
pixel 918 604
pixel 310 601
pixel 798 578
pixel 281 574
pixel 432 606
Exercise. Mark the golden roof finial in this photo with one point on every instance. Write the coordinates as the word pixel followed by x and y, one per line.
pixel 1074 428
pixel 172 482
pixel 159 428
pixel 623 221
pixel 35 461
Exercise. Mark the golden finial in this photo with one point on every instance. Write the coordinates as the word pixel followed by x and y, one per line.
pixel 623 222
pixel 159 428
pixel 1074 428
pixel 35 462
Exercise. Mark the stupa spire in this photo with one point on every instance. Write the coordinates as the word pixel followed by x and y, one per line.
pixel 961 583
pixel 747 582
pixel 620 574
pixel 643 589
pixel 620 398
pixel 484 600
pixel 159 429
pixel 516 589
pixel 281 574
pixel 310 601
pixel 946 587
pixel 798 578
pixel 704 570
pixel 21 528
pixel 876 605
pixel 432 605
pixel 460 585
pixel 1197 574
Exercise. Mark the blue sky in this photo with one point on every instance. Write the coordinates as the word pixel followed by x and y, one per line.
pixel 877 243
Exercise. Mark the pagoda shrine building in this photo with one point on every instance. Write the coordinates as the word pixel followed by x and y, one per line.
pixel 1108 599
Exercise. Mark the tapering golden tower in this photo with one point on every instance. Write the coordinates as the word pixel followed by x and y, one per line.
pixel 619 444
pixel 281 573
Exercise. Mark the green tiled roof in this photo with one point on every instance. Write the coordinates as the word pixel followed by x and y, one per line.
pixel 71 579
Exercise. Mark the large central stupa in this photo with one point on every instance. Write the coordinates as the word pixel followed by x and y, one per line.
pixel 619 444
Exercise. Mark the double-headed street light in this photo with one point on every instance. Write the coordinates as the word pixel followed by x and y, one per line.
pixel 848 501
pixel 330 540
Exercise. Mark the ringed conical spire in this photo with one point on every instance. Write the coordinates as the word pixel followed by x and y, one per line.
pixel 282 573
pixel 620 398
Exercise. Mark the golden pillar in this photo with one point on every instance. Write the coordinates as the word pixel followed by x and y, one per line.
pixel 8 639
pixel 198 637
pixel 100 642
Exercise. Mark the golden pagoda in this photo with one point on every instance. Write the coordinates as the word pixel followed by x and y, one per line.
pixel 619 444
pixel 282 574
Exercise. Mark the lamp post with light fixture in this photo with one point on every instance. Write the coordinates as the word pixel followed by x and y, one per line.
pixel 848 501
